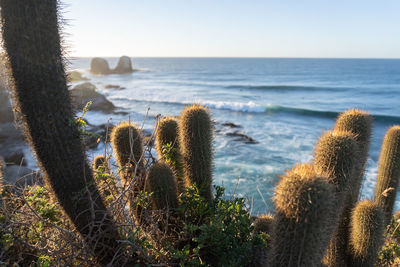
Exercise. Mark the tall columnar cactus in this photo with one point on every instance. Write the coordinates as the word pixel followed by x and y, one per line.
pixel 168 149
pixel 388 172
pixel 359 123
pixel 195 136
pixel 303 219
pixel 263 224
pixel 367 228
pixel 336 154
pixel 32 42
pixel 127 143
pixel 162 183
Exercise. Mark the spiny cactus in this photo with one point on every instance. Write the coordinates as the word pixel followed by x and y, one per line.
pixel 388 172
pixel 263 224
pixel 195 136
pixel 335 156
pixel 99 161
pixel 359 123
pixel 168 149
pixel 162 183
pixel 127 143
pixel 367 228
pixel 303 220
pixel 32 42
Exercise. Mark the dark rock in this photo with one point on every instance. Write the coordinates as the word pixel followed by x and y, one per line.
pixel 124 66
pixel 231 125
pixel 112 86
pixel 16 157
pixel 76 76
pixel 99 66
pixel 21 176
pixel 242 137
pixel 85 92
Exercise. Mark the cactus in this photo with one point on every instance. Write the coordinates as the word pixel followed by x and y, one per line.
pixel 263 224
pixel 162 183
pixel 335 156
pixel 127 143
pixel 195 139
pixel 32 42
pixel 303 220
pixel 367 229
pixel 168 149
pixel 359 123
pixel 99 161
pixel 388 172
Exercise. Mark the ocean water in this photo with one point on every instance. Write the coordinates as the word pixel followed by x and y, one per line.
pixel 284 104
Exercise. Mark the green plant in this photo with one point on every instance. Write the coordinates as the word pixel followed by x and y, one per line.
pixel 161 182
pixel 215 233
pixel 31 39
pixel 303 220
pixel 195 139
pixel 388 172
pixel 389 255
pixel 367 228
pixel 168 149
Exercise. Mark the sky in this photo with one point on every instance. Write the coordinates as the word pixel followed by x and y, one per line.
pixel 233 28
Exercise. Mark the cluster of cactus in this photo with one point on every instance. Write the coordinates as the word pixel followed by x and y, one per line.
pixel 318 217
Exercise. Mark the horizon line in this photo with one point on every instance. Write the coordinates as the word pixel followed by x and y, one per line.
pixel 235 57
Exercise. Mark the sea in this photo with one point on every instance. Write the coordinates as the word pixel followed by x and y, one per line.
pixel 283 104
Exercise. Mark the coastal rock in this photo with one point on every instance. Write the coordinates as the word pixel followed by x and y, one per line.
pixel 16 157
pixel 76 76
pixel 99 66
pixel 241 137
pixel 85 92
pixel 231 125
pixel 124 66
pixel 21 176
pixel 112 86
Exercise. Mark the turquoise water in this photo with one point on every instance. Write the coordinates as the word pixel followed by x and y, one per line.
pixel 284 104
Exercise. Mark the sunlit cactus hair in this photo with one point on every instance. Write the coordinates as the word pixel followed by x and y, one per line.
pixel 388 172
pixel 168 149
pixel 127 143
pixel 359 123
pixel 304 203
pixel 161 182
pixel 196 137
pixel 367 229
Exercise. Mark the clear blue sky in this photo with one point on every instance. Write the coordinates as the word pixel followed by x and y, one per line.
pixel 234 28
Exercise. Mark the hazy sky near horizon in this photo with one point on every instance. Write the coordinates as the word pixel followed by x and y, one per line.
pixel 234 28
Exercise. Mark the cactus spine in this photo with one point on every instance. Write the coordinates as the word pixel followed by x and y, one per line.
pixel 168 149
pixel 367 228
pixel 304 215
pixel 32 41
pixel 162 183
pixel 388 172
pixel 195 136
